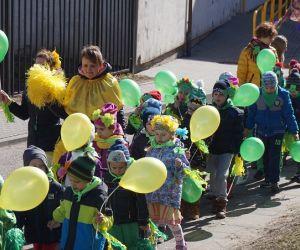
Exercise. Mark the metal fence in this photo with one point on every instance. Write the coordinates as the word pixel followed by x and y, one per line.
pixel 66 25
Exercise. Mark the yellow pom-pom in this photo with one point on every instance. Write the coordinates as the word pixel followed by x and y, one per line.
pixel 45 86
pixel 238 167
pixel 56 59
pixel 166 122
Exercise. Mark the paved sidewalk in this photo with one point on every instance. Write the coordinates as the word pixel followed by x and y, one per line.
pixel 12 132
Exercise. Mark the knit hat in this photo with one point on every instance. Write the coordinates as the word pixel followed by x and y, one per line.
pixel 150 108
pixel 151 94
pixel 33 152
pixel 107 116
pixel 197 96
pixel 294 64
pixel 225 75
pixel 222 86
pixel 293 79
pixel 119 152
pixel 230 77
pixel 269 79
pixel 83 168
pixel 185 85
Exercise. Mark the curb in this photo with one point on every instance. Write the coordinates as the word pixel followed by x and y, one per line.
pixel 12 140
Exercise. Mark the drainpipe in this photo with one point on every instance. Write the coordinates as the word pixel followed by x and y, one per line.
pixel 189 29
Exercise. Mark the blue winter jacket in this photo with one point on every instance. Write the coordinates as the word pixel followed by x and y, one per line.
pixel 275 120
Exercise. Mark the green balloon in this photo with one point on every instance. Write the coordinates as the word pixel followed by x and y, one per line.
pixel 3 45
pixel 165 81
pixel 252 149
pixel 266 60
pixel 295 151
pixel 191 190
pixel 246 95
pixel 131 92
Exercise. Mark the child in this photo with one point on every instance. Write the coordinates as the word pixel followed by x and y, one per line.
pixel 35 220
pixel 80 207
pixel 134 120
pixel 141 139
pixel 179 107
pixel 272 114
pixel 164 203
pixel 278 71
pixel 44 125
pixel 247 70
pixel 294 64
pixel 225 142
pixel 93 86
pixel 108 130
pixel 130 208
pixel 197 99
pixel 280 43
pixel 293 86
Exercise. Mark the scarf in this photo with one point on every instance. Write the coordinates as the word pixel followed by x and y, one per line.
pixel 107 143
pixel 154 144
pixel 269 98
pixel 91 185
pixel 227 104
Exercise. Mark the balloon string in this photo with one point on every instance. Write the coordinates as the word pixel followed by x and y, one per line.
pixel 193 156
pixel 231 185
pixel 106 200
pixel 180 113
pixel 190 147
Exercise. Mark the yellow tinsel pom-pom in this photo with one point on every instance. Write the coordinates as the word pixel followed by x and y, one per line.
pixel 56 59
pixel 108 119
pixel 45 86
pixel 166 121
pixel 238 167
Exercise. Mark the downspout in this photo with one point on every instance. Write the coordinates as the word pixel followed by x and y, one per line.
pixel 188 36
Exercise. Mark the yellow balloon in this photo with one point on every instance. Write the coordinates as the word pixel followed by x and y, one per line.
pixel 144 175
pixel 76 131
pixel 24 189
pixel 204 122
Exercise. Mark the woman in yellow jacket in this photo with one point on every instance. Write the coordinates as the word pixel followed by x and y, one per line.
pixel 247 70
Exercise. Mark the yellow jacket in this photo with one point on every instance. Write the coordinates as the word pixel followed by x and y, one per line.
pixel 247 70
pixel 85 96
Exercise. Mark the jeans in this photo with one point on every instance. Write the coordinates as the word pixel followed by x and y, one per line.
pixel 218 166
pixel 272 157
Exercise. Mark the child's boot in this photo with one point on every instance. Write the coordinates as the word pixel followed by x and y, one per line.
pixel 183 209
pixel 221 204
pixel 194 211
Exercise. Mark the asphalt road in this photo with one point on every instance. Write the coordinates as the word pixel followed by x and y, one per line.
pixel 11 157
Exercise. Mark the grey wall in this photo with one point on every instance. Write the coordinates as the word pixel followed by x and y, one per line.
pixel 161 28
pixel 162 23
pixel 209 14
pixel 251 4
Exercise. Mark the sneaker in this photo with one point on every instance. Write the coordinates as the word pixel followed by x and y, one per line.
pixel 275 188
pixel 266 184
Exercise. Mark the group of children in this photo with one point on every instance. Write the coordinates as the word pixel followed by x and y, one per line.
pixel 86 209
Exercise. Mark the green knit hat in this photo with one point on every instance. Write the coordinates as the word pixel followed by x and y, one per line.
pixel 82 168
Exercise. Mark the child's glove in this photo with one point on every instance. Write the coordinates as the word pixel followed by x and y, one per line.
pixel 178 163
pixel 52 224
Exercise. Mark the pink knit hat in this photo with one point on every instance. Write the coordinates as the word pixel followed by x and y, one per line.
pixel 107 116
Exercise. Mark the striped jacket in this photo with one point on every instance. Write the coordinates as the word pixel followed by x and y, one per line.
pixel 78 218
